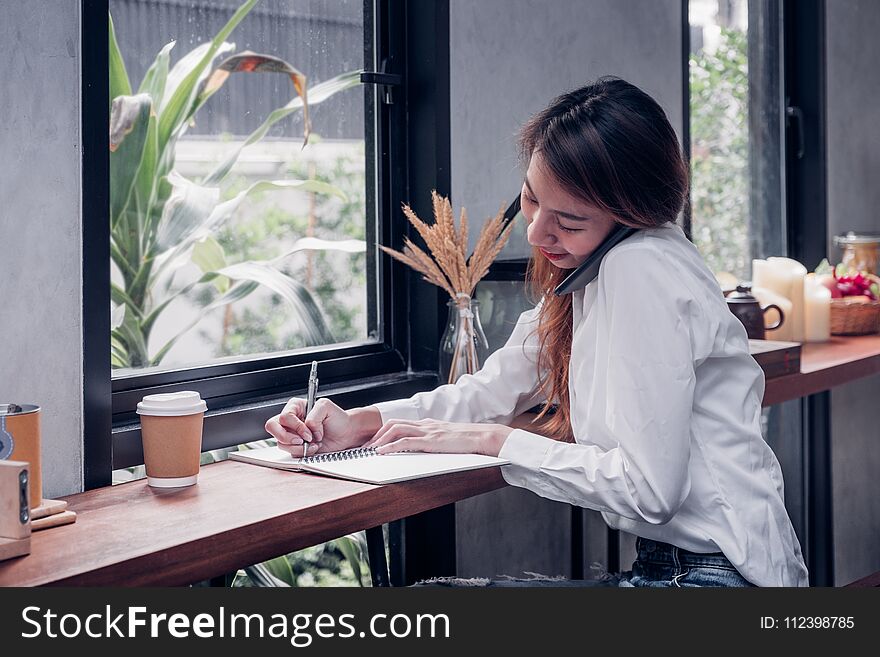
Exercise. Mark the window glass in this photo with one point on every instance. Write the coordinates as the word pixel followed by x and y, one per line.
pixel 736 133
pixel 213 262
pixel 719 105
pixel 737 181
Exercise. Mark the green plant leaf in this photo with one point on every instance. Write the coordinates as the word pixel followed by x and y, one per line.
pixel 263 574
pixel 119 296
pixel 317 94
pixel 191 224
pixel 310 317
pixel 251 62
pixel 280 568
pixel 130 334
pixel 173 113
pixel 208 255
pixel 157 75
pixel 240 291
pixel 119 257
pixel 236 293
pixel 117 314
pixel 185 212
pixel 318 244
pixel 248 276
pixel 351 551
pixel 129 122
pixel 215 455
pixel 119 84
pixel 823 267
pixel 118 352
pixel 224 210
pixel 145 189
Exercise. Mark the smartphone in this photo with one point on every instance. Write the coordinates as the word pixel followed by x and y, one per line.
pixel 589 269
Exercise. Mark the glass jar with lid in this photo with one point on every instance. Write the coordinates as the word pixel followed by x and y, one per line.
pixel 860 251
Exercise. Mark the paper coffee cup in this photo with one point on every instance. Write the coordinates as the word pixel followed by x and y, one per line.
pixel 171 430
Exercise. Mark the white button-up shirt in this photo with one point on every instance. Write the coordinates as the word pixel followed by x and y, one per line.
pixel 665 410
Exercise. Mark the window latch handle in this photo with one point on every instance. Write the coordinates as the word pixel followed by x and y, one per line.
pixel 795 113
pixel 386 81
pixel 373 77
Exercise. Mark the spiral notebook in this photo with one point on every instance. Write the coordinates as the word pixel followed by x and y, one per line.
pixel 367 466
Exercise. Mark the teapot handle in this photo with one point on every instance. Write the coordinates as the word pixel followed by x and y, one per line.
pixel 773 306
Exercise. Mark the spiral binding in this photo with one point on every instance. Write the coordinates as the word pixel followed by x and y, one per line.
pixel 344 455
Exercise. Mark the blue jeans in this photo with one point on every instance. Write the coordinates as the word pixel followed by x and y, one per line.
pixel 657 565
pixel 664 565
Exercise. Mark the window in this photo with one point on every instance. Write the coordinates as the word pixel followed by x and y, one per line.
pixel 736 133
pixel 247 356
pixel 757 181
pixel 235 241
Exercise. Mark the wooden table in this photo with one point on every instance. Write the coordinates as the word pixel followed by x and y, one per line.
pixel 825 365
pixel 238 514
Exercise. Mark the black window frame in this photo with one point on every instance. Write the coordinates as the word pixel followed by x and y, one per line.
pixel 412 157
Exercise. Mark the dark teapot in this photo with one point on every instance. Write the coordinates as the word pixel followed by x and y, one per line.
pixel 750 312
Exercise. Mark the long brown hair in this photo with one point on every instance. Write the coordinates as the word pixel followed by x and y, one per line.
pixel 611 145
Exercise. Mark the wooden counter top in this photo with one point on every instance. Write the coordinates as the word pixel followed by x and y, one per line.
pixel 825 365
pixel 238 514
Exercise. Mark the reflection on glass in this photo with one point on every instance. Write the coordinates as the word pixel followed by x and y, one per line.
pixel 219 263
pixel 501 303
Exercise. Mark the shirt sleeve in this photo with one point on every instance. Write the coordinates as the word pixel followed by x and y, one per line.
pixel 504 387
pixel 633 440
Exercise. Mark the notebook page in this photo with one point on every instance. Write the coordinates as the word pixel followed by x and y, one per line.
pixel 272 457
pixel 390 468
pixel 374 469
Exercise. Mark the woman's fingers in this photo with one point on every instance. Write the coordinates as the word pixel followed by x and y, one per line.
pixel 281 433
pixel 295 425
pixel 394 430
pixel 322 410
pixel 390 425
pixel 288 427
pixel 407 444
pixel 296 406
pixel 298 449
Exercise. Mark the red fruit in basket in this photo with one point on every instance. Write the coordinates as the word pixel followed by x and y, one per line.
pixel 847 288
pixel 828 281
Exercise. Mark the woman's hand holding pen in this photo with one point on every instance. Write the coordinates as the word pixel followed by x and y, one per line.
pixel 327 428
pixel 439 436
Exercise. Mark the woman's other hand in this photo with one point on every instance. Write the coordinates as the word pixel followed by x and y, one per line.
pixel 439 436
pixel 328 428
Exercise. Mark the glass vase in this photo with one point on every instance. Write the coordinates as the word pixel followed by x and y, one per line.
pixel 463 346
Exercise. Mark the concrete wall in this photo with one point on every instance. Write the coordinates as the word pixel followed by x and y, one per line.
pixel 508 59
pixel 40 233
pixel 853 143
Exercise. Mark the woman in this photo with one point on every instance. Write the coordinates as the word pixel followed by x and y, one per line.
pixel 657 399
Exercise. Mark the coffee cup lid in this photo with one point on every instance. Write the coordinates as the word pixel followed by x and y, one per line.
pixel 186 402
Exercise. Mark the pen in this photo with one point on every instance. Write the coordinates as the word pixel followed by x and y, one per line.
pixel 310 403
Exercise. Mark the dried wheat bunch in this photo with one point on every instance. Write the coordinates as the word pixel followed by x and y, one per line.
pixel 446 264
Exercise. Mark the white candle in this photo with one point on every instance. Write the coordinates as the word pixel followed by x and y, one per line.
pixel 817 311
pixel 776 280
pixel 796 273
pixel 771 276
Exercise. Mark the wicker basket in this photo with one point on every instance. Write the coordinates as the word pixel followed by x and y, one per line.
pixel 852 316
